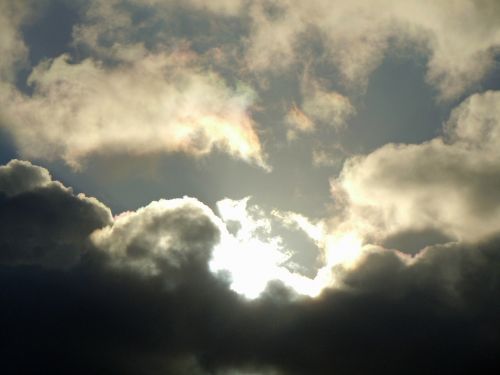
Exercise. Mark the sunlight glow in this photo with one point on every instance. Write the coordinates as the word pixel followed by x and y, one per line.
pixel 342 249
pixel 253 256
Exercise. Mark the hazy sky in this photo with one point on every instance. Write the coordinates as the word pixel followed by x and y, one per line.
pixel 237 187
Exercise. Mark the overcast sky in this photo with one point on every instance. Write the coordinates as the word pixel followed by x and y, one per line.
pixel 235 187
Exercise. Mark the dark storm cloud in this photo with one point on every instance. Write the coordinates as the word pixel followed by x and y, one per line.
pixel 20 176
pixel 436 313
pixel 41 221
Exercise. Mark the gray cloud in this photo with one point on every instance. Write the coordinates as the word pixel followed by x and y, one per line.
pixel 84 292
pixel 20 176
pixel 161 237
pixel 41 221
pixel 12 48
pixel 434 313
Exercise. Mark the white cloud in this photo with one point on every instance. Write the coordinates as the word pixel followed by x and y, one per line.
pixel 156 103
pixel 450 183
pixel 460 37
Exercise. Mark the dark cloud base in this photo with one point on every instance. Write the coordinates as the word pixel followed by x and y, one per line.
pixel 439 315
pixel 93 321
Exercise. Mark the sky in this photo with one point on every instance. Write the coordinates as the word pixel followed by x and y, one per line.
pixel 236 187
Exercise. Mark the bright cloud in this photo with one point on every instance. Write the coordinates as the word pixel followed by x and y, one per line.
pixel 376 260
pixel 252 255
pixel 160 237
pixel 319 106
pixel 157 103
pixel 449 184
pixel 460 39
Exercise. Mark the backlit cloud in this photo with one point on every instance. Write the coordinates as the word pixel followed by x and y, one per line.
pixel 371 245
pixel 103 312
pixel 160 237
pixel 151 105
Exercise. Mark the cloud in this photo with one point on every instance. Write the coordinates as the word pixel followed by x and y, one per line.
pixel 328 156
pixel 447 184
pixel 160 237
pixel 436 311
pixel 132 65
pixel 252 245
pixel 12 47
pixel 460 40
pixel 162 289
pixel 156 24
pixel 328 107
pixel 299 122
pixel 226 7
pixel 319 106
pixel 44 223
pixel 123 72
pixel 41 221
pixel 156 103
pixel 21 176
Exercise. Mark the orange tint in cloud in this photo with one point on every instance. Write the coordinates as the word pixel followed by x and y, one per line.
pixel 150 105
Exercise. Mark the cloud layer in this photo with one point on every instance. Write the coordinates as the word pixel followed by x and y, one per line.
pixel 193 86
pixel 404 272
pixel 436 313
pixel 460 40
pixel 148 106
pixel 448 184
pixel 41 221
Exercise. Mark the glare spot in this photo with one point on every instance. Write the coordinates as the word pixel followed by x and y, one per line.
pixel 253 256
pixel 342 249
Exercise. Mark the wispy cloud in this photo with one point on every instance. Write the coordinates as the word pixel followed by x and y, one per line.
pixel 150 105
